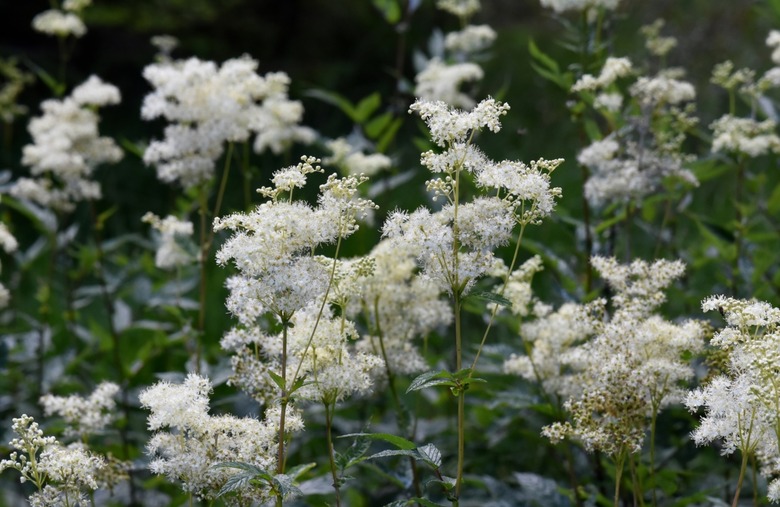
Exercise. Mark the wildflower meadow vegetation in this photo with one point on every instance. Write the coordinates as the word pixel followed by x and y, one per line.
pixel 390 253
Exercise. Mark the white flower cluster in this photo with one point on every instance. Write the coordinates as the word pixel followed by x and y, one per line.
pixel 9 244
pixel 170 253
pixel 402 307
pixel 637 157
pixel 207 106
pixel 744 136
pixel 441 77
pixel 455 245
pixel 61 474
pixel 614 68
pixel 518 284
pixel 188 442
pixel 741 404
pixel 472 39
pixel 656 44
pixel 618 373
pixel 67 147
pixel 460 8
pixel 85 416
pixel 579 5
pixel 353 162
pixel 64 22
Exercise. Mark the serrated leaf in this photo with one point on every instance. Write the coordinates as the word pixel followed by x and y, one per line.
pixel 394 452
pixel 248 467
pixel 430 454
pixel 236 482
pixel 353 454
pixel 430 379
pixel 395 440
pixel 491 297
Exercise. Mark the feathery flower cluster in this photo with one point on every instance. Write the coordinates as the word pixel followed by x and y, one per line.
pixel 635 159
pixel 64 22
pixel 518 284
pixel 629 369
pixel 741 404
pixel 170 253
pixel 455 245
pixel 67 147
pixel 207 106
pixel 188 442
pixel 400 307
pixel 85 416
pixel 579 5
pixel 352 161
pixel 60 474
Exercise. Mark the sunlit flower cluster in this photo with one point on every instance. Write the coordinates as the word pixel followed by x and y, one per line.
pixel 188 442
pixel 208 105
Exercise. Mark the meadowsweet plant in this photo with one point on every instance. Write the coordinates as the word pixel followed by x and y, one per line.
pixel 455 245
pixel 631 367
pixel 742 404
pixel 61 475
pixel 281 278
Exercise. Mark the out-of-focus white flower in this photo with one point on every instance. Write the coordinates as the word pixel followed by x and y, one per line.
pixel 471 39
pixel 85 416
pixel 169 252
pixel 579 5
pixel 354 162
pixel 461 8
pixel 67 148
pixel 614 68
pixel 440 81
pixel 744 135
pixel 59 23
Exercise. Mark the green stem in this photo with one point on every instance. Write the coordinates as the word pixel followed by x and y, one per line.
pixel 280 457
pixel 461 399
pixel 619 462
pixel 742 469
pixel 329 409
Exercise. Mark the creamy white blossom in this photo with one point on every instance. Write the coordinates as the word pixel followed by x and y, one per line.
pixel 170 252
pixel 85 416
pixel 59 23
pixel 441 81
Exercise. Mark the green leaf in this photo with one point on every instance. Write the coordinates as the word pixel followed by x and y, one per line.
pixel 430 379
pixel 298 470
pixel 366 107
pixel 387 138
pixel 773 204
pixel 425 502
pixel 390 10
pixel 336 100
pixel 491 297
pixel 397 441
pixel 278 380
pixel 394 452
pixel 542 58
pixel 430 454
pixel 377 125
pixel 236 482
pixel 354 454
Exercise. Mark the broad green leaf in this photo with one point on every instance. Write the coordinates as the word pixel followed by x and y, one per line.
pixel 366 107
pixel 388 136
pixel 236 482
pixel 336 100
pixel 394 452
pixel 298 470
pixel 377 125
pixel 491 297
pixel 542 58
pixel 430 379
pixel 395 440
